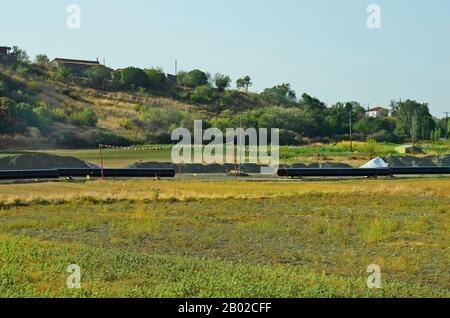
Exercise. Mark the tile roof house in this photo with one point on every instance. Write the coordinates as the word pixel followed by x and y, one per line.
pixel 5 50
pixel 5 54
pixel 75 66
pixel 378 112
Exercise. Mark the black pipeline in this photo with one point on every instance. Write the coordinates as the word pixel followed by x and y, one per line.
pixel 95 173
pixel 360 172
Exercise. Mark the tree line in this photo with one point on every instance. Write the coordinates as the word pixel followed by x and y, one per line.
pixel 301 119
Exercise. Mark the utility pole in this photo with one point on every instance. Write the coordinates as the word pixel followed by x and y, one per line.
pixel 240 143
pixel 351 128
pixel 446 124
pixel 176 67
pixel 101 162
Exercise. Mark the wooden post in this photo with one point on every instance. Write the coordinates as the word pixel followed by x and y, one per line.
pixel 101 162
pixel 235 165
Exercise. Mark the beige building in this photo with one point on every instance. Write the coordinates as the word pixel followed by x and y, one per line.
pixel 378 112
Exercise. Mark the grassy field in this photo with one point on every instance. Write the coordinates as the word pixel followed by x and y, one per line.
pixel 112 158
pixel 115 158
pixel 226 239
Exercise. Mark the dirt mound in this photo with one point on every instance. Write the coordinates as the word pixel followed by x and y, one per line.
pixel 411 161
pixel 41 161
pixel 197 168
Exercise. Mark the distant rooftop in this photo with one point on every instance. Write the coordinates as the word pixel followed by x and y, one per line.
pixel 378 109
pixel 78 62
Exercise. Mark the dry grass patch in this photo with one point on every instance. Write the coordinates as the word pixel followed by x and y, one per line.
pixel 191 190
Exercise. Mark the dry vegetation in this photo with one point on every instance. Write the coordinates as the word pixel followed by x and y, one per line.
pixel 225 239
pixel 113 107
pixel 191 190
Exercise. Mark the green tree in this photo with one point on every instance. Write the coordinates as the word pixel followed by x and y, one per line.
pixel 86 117
pixel 99 75
pixel 133 78
pixel 202 94
pixel 42 60
pixel 20 55
pixel 315 112
pixel 8 122
pixel 24 111
pixel 414 130
pixel 369 126
pixel 43 117
pixel 62 73
pixel 193 79
pixel 244 83
pixel 156 79
pixel 414 120
pixel 222 82
pixel 280 95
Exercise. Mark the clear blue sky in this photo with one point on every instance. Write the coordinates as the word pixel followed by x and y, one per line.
pixel 322 47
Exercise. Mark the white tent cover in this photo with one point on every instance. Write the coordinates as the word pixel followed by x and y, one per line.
pixel 376 163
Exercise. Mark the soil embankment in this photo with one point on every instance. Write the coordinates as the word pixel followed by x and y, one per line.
pixel 41 161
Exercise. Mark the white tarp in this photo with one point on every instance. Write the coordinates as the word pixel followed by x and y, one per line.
pixel 376 163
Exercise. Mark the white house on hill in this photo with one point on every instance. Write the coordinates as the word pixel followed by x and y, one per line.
pixel 378 112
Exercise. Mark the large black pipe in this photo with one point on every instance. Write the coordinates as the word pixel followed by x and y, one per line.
pixel 355 172
pixel 108 173
pixel 117 173
pixel 28 174
pixel 420 170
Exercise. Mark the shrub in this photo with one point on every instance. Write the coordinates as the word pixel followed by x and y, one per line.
pixel 202 94
pixel 289 137
pixel 99 75
pixel 59 114
pixel 193 78
pixel 43 116
pixel 383 136
pixel 371 148
pixel 126 123
pixel 159 137
pixel 86 117
pixel 132 78
pixel 156 79
pixel 95 137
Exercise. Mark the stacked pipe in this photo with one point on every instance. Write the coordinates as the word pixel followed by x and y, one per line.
pixel 360 172
pixel 108 173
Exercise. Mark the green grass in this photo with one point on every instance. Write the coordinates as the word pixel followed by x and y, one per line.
pixel 116 158
pixel 33 268
pixel 112 158
pixel 310 244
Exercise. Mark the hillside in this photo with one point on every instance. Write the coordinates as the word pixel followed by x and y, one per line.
pixel 111 108
pixel 43 105
pixel 74 110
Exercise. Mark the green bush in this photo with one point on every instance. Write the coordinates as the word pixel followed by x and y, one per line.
pixel 86 117
pixel 43 117
pixel 156 79
pixel 193 78
pixel 59 114
pixel 132 78
pixel 203 94
pixel 95 137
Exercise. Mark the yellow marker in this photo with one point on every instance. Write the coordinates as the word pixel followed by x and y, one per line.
pixel 88 177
